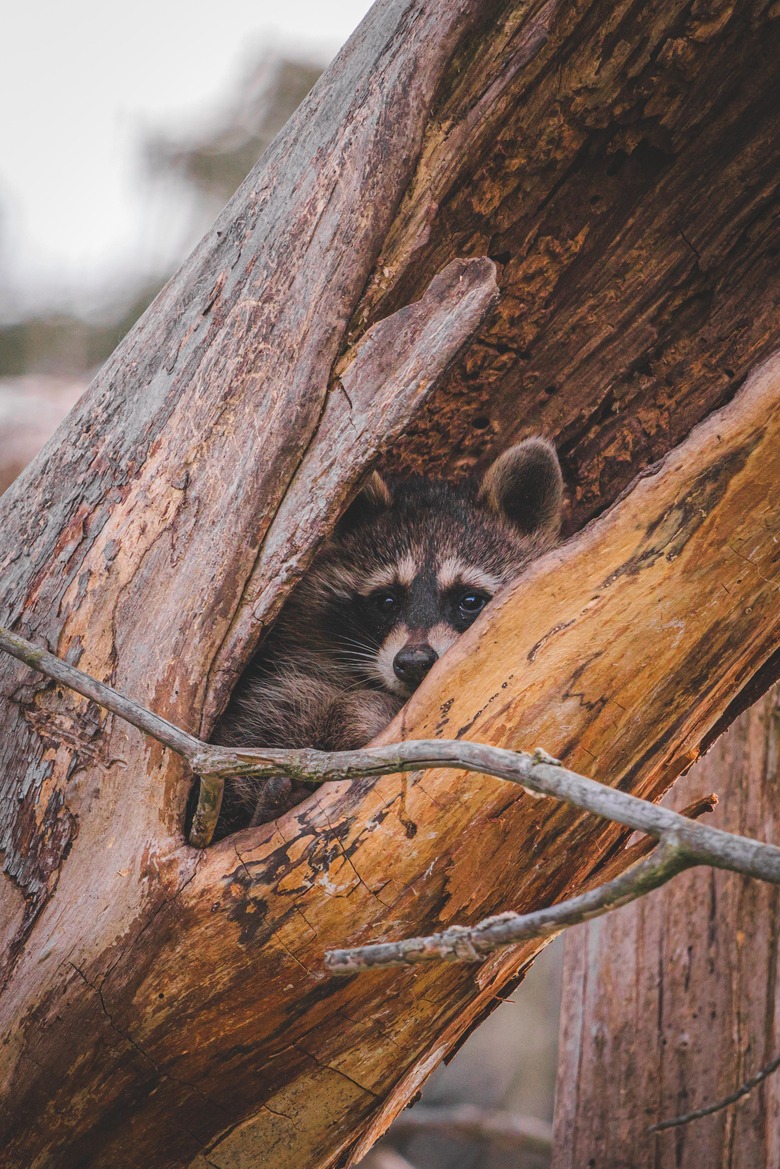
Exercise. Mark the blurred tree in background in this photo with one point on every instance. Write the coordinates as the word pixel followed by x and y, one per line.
pixel 206 169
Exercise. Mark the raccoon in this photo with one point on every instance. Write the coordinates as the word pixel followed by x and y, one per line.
pixel 410 566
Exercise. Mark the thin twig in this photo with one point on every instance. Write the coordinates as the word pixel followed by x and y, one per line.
pixel 537 772
pixel 737 1094
pixel 464 944
pixel 210 795
pixel 132 712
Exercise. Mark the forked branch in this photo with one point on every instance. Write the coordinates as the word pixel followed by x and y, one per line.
pixel 683 843
pixel 473 944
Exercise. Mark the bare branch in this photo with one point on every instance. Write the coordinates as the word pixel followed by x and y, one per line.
pixel 507 1129
pixel 472 944
pixel 737 1094
pixel 684 843
pixel 132 712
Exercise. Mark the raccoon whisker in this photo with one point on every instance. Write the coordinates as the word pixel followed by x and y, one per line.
pixel 357 673
pixel 386 683
pixel 354 659
pixel 360 677
pixel 357 687
pixel 361 645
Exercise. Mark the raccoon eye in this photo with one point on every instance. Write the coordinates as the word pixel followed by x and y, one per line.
pixel 472 603
pixel 386 602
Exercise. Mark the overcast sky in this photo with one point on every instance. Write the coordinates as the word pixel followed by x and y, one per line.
pixel 81 83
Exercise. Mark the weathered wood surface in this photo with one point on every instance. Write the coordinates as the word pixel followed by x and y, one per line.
pixel 129 543
pixel 670 1005
pixel 620 161
pixel 131 540
pixel 145 1017
pixel 619 650
pixel 397 364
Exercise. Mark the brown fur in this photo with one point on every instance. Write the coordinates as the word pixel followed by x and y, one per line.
pixel 406 571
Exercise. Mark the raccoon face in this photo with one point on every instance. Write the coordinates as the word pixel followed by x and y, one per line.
pixel 413 564
pixel 411 612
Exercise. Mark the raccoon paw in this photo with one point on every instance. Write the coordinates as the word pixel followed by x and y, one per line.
pixel 356 718
pixel 277 795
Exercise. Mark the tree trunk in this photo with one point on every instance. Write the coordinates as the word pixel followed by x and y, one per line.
pixel 669 1004
pixel 162 1006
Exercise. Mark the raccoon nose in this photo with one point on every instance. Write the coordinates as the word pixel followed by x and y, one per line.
pixel 413 662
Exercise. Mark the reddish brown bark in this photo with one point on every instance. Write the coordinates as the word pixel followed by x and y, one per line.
pixel 218 980
pixel 620 163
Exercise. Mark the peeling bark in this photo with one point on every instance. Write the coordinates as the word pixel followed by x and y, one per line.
pixel 618 650
pixel 620 163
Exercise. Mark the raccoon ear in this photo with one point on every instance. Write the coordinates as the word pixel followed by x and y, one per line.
pixel 525 486
pixel 374 496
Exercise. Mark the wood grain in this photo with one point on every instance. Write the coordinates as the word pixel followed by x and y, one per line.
pixel 675 587
pixel 620 163
pixel 169 1008
pixel 612 654
pixel 398 363
pixel 130 542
